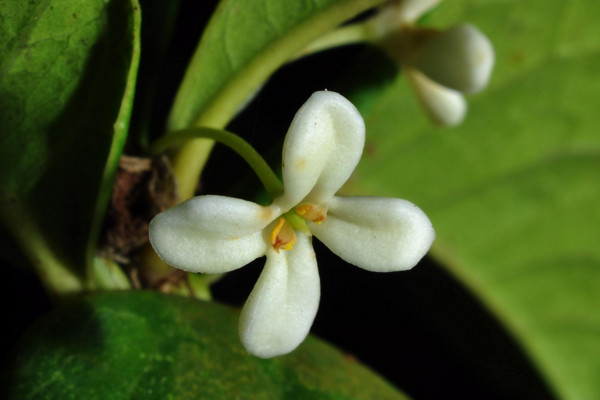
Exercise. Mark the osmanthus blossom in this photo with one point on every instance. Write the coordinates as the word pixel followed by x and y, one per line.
pixel 440 65
pixel 216 234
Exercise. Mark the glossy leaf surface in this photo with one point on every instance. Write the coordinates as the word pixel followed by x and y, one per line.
pixel 145 345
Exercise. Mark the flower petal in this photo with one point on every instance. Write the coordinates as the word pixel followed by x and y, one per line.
pixel 211 234
pixel 321 149
pixel 282 306
pixel 375 233
pixel 412 10
pixel 446 107
pixel 460 58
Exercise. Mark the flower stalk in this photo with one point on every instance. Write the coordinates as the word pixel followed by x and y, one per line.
pixel 266 175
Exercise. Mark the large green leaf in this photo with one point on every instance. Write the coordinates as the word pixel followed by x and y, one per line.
pixel 67 73
pixel 145 345
pixel 514 192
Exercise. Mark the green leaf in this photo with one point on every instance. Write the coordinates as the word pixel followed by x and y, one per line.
pixel 513 192
pixel 67 75
pixel 244 43
pixel 146 345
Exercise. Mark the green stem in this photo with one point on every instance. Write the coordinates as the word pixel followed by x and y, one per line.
pixel 343 36
pixel 266 175
pixel 58 276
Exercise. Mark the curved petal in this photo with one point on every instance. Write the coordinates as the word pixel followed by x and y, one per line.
pixel 460 58
pixel 411 10
pixel 211 234
pixel 375 233
pixel 321 149
pixel 282 306
pixel 446 107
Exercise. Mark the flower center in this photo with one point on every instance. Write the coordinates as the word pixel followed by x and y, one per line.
pixel 283 235
pixel 312 212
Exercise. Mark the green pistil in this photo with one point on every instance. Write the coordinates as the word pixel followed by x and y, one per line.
pixel 297 222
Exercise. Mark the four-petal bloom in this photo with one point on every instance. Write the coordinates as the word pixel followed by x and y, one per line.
pixel 215 234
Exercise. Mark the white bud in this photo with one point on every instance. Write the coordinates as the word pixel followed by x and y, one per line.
pixel 460 58
pixel 446 107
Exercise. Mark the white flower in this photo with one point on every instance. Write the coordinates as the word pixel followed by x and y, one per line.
pixel 215 234
pixel 440 65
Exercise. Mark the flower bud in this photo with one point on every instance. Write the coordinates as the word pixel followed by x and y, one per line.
pixel 460 58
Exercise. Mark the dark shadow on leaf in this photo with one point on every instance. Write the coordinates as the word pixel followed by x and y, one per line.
pixel 56 342
pixel 64 198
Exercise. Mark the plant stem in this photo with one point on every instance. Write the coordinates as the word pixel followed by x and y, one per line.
pixel 59 277
pixel 266 175
pixel 343 36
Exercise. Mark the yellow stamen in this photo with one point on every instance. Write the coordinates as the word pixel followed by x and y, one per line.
pixel 283 235
pixel 312 212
